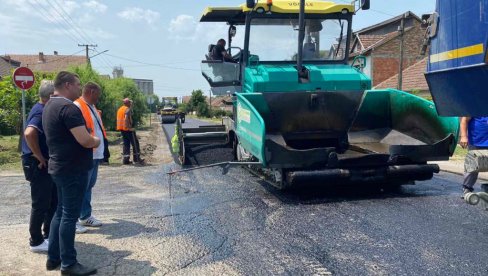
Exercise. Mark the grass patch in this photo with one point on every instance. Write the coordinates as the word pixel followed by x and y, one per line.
pixel 209 120
pixel 459 153
pixel 9 156
pixel 114 139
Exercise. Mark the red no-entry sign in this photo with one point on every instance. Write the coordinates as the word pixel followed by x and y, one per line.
pixel 23 78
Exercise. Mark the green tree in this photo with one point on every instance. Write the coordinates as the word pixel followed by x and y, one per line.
pixel 11 103
pixel 203 110
pixel 195 99
pixel 199 104
pixel 113 92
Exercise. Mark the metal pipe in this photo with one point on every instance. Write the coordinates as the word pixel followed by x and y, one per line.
pixel 301 37
pixel 388 173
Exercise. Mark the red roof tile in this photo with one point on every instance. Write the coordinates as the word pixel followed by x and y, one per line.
pixel 49 63
pixel 369 40
pixel 413 78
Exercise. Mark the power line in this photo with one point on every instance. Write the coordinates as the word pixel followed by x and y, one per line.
pixel 74 23
pixel 152 64
pixel 48 16
pixel 104 59
pixel 66 20
pixel 45 14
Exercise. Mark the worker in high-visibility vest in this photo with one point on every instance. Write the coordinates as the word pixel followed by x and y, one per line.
pixel 125 126
pixel 86 103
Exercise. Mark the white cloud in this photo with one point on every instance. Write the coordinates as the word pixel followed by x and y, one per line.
pixel 53 25
pixel 183 25
pixel 138 15
pixel 186 27
pixel 52 11
pixel 96 6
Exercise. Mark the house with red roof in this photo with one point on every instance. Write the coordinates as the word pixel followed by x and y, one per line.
pixel 380 44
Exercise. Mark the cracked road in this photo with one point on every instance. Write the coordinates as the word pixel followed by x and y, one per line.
pixel 206 223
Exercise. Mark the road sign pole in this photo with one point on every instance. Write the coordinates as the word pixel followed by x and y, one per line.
pixel 23 111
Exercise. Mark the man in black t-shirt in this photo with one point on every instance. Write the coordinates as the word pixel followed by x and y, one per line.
pixel 219 52
pixel 70 157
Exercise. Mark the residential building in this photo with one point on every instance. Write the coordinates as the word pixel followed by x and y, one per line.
pixel 49 63
pixel 7 64
pixel 380 44
pixel 413 80
pixel 222 103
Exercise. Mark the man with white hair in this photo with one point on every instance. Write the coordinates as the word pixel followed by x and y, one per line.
pixel 35 154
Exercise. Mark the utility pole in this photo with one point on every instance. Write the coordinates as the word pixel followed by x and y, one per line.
pixel 210 99
pixel 86 51
pixel 401 30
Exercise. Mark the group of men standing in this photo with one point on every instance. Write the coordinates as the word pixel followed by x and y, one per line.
pixel 63 145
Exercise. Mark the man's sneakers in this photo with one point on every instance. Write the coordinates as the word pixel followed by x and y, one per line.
pixel 91 222
pixel 80 229
pixel 41 247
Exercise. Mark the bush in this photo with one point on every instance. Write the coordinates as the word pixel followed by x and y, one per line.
pixel 221 113
pixel 203 110
pixel 113 92
pixel 11 103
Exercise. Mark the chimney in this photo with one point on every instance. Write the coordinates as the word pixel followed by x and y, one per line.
pixel 55 53
pixel 41 57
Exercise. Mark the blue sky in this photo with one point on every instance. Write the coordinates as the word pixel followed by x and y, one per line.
pixel 160 40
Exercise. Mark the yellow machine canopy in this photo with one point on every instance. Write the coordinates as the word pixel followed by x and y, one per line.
pixel 237 15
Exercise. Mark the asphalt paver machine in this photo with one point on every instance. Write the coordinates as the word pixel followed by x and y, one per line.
pixel 302 113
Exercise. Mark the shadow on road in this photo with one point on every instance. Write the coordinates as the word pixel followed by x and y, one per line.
pixel 112 262
pixel 319 194
pixel 122 229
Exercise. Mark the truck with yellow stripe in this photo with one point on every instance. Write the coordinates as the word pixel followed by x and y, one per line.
pixel 457 70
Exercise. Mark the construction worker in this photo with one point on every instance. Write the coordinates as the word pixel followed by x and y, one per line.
pixel 125 126
pixel 474 137
pixel 86 103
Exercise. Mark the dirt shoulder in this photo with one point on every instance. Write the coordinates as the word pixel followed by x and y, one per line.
pixel 128 199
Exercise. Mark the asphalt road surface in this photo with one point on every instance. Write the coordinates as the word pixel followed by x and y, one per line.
pixel 248 227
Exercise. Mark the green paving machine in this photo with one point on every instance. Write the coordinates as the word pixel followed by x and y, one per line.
pixel 303 112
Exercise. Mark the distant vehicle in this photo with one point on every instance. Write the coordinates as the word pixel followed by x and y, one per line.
pixel 170 113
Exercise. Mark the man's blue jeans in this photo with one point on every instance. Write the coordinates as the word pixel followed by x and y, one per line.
pixel 71 189
pixel 86 209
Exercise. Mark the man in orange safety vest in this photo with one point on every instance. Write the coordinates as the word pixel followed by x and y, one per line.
pixel 86 103
pixel 125 126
